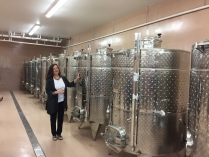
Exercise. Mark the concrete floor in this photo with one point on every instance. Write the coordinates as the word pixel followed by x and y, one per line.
pixel 14 141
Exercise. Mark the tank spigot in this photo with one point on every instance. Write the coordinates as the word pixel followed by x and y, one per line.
pixel 159 35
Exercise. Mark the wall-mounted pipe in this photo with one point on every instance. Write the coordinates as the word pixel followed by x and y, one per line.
pixel 142 25
pixel 147 13
pixel 31 38
pixel 19 42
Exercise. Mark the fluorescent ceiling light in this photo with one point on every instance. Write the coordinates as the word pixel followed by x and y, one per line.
pixel 35 28
pixel 58 5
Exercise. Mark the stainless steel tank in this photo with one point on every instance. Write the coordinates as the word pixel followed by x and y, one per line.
pixel 31 86
pixel 43 78
pixel 150 97
pixel 79 109
pixel 71 73
pixel 27 75
pixel 49 61
pixel 37 77
pixel 93 91
pixel 24 74
pixel 62 63
pixel 33 75
pixel 198 141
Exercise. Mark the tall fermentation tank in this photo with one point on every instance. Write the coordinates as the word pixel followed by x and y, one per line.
pixel 30 76
pixel 33 80
pixel 24 74
pixel 49 61
pixel 43 78
pixel 72 71
pixel 37 77
pixel 93 91
pixel 79 109
pixel 62 63
pixel 27 75
pixel 150 97
pixel 199 101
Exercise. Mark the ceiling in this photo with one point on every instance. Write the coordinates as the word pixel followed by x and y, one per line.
pixel 74 17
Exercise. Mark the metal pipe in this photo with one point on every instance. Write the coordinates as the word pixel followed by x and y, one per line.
pixel 142 25
pixel 113 26
pixel 31 38
pixel 67 49
pixel 201 44
pixel 30 43
pixel 65 63
pixel 147 12
pixel 88 82
pixel 135 94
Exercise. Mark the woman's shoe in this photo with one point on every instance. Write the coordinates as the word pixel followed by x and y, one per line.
pixel 54 138
pixel 59 137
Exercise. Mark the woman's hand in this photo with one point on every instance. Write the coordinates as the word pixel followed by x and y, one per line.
pixel 77 78
pixel 59 92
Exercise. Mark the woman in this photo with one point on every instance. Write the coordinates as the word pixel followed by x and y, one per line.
pixel 57 102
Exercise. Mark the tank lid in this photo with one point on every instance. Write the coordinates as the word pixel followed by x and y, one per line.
pixel 61 55
pixel 124 52
pixel 150 42
pixel 202 46
pixel 104 50
pixel 78 53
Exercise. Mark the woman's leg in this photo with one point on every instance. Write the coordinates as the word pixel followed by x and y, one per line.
pixel 53 118
pixel 60 117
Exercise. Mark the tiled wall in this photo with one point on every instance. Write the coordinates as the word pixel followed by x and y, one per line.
pixel 11 57
pixel 177 33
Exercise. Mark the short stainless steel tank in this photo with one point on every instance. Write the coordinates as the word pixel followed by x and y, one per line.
pixel 150 97
pixel 199 101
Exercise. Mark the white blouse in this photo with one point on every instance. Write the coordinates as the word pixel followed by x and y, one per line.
pixel 59 85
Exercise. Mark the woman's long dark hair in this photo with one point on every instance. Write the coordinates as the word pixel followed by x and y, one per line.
pixel 50 73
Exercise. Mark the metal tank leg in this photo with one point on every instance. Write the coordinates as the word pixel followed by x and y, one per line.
pixel 109 151
pixel 79 124
pixel 181 153
pixel 70 119
pixel 95 129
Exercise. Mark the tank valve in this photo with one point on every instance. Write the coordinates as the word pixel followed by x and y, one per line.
pixel 159 35
pixel 162 113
